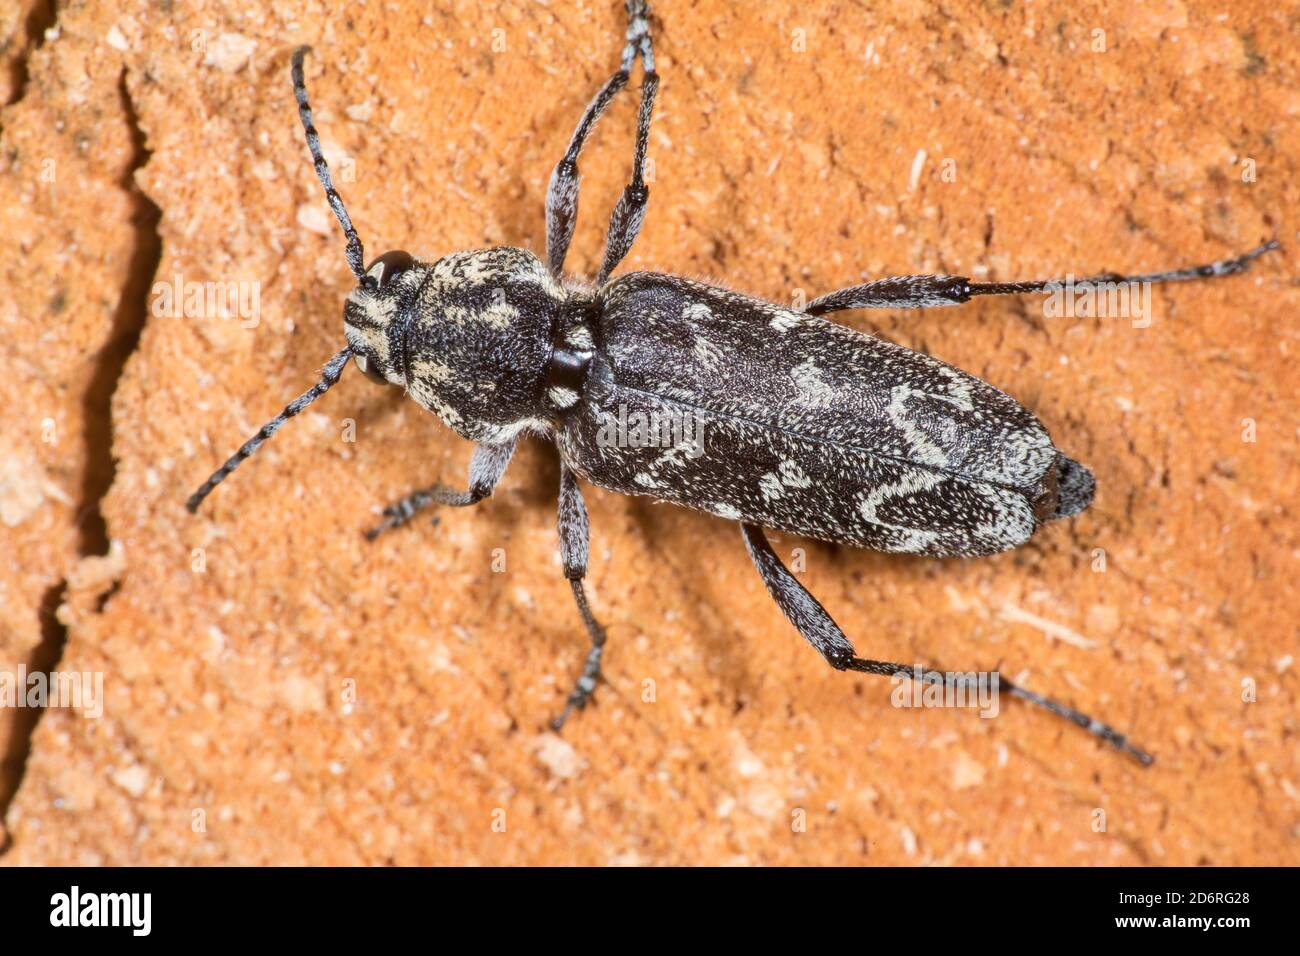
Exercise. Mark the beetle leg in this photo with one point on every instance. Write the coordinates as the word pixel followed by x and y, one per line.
pixel 920 292
pixel 625 221
pixel 574 540
pixel 806 613
pixel 486 467
pixel 562 192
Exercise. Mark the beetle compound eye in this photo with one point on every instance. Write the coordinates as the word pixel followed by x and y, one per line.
pixel 389 266
pixel 370 371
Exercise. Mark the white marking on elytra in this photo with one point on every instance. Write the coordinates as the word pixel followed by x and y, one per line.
pixel 813 389
pixel 1012 520
pixel 913 482
pixel 959 389
pixel 792 476
pixel 783 320
pixel 710 355
pixel 672 457
pixel 924 451
pixel 788 474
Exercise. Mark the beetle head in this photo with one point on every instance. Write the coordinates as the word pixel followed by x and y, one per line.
pixel 376 313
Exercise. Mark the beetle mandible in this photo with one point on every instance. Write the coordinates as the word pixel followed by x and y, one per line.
pixel 810 427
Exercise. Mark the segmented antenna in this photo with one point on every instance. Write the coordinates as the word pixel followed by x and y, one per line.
pixel 331 375
pixel 355 252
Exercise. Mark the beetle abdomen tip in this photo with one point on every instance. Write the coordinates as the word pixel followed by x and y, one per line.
pixel 1075 487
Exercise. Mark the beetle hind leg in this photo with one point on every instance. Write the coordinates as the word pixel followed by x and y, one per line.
pixel 816 625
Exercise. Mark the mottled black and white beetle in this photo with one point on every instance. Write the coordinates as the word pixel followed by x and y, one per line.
pixel 810 428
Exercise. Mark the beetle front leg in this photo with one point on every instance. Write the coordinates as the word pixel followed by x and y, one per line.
pixel 562 192
pixel 486 467
pixel 628 215
pixel 812 620
pixel 575 534
pixel 625 222
pixel 923 292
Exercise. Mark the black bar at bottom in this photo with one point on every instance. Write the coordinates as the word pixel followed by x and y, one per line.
pixel 586 909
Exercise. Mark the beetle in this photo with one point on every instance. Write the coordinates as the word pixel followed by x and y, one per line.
pixel 810 427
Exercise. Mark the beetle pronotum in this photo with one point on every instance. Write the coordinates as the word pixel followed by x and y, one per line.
pixel 811 428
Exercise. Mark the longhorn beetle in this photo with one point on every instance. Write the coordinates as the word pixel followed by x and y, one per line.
pixel 810 427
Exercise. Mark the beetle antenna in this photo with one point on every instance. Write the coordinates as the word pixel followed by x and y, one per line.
pixel 330 376
pixel 355 252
